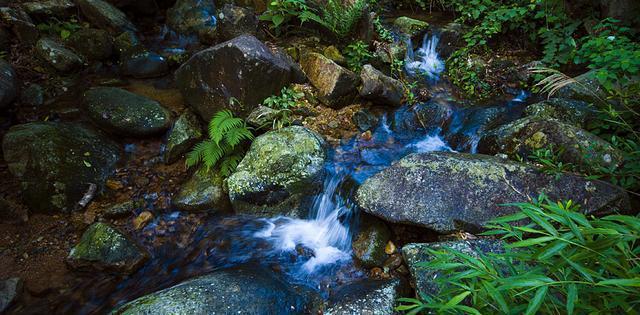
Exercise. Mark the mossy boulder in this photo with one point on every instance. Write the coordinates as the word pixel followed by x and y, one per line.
pixel 446 192
pixel 194 18
pixel 122 112
pixel 370 241
pixel 336 85
pixel 279 174
pixel 8 84
pixel 568 111
pixel 250 290
pixel 93 44
pixel 103 15
pixel 379 88
pixel 409 26
pixel 103 247
pixel 375 297
pixel 184 134
pixel 57 55
pixel 204 191
pixel 57 163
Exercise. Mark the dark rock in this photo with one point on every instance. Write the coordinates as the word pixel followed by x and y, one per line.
pixel 10 290
pixel 588 89
pixel 32 96
pixel 243 68
pixel 139 7
pixel 184 134
pixel 102 247
pixel 5 37
pixel 451 39
pixel 372 297
pixel 465 132
pixel 415 120
pixel 20 24
pixel 47 9
pixel 262 117
pixel 572 112
pixel 370 241
pixel 93 44
pixel 103 15
pixel 8 84
pixel 279 172
pixel 194 18
pixel 336 85
pixel 59 57
pixel 364 120
pixel 127 43
pixel 203 192
pixel 144 65
pixel 234 21
pixel 122 209
pixel 125 113
pixel 380 88
pixel 446 191
pixel 253 290
pixel 57 163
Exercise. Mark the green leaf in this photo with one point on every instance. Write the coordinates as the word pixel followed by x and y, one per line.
pixel 496 296
pixel 87 164
pixel 457 299
pixel 634 282
pixel 572 296
pixel 536 302
pixel 531 241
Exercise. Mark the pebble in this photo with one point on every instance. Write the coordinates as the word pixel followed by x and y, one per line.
pixel 142 219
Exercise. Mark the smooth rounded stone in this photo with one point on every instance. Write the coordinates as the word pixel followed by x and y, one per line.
pixel 234 21
pixel 204 191
pixel 20 23
pixel 194 18
pixel 246 289
pixel 103 15
pixel 379 88
pixel 10 290
pixel 568 111
pixel 371 297
pixel 336 85
pixel 242 68
pixel 409 26
pixel 416 253
pixel 144 65
pixel 522 137
pixel 364 120
pixel 32 96
pixel 447 192
pixel 58 163
pixel 279 174
pixel 184 134
pixel 369 243
pixel 8 84
pixel 46 9
pixel 59 57
pixel 103 247
pixel 120 111
pixel 93 44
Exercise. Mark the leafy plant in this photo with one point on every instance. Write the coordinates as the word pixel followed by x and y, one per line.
pixel 63 29
pixel 357 55
pixel 337 16
pixel 281 12
pixel 549 160
pixel 383 33
pixel 287 99
pixel 224 146
pixel 561 262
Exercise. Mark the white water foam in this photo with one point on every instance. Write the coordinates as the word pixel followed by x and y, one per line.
pixel 431 144
pixel 425 60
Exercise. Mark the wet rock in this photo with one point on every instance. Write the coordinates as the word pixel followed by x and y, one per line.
pixel 451 39
pixel 203 192
pixel 370 241
pixel 234 21
pixel 44 10
pixel 415 120
pixel 372 297
pixel 364 120
pixel 572 112
pixel 388 52
pixel 103 15
pixel 577 146
pixel 184 134
pixel 10 290
pixel 243 68
pixel 380 88
pixel 125 113
pixel 57 163
pixel 336 85
pixel 279 172
pixel 588 89
pixel 102 247
pixel 194 18
pixel 409 26
pixel 253 290
pixel 93 44
pixel 422 278
pixel 446 191
pixel 122 209
pixel 20 24
pixel 59 57
pixel 8 84
pixel 32 96
pixel 464 133
pixel 144 64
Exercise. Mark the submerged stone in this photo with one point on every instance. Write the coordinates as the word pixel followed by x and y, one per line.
pixel 203 192
pixel 184 134
pixel 58 56
pixel 370 241
pixel 336 85
pixel 372 297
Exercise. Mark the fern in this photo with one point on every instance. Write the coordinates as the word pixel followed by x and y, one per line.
pixel 337 17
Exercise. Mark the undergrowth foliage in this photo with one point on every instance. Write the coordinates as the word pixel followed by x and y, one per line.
pixel 562 262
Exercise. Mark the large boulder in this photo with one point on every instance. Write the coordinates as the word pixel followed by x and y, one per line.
pixel 379 88
pixel 122 112
pixel 336 85
pixel 281 170
pixel 57 55
pixel 234 21
pixel 58 163
pixel 204 191
pixel 184 134
pixel 194 18
pixel 446 191
pixel 372 297
pixel 250 290
pixel 369 243
pixel 103 15
pixel 242 68
pixel 103 247
pixel 8 84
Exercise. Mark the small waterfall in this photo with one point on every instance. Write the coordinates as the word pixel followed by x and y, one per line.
pixel 425 60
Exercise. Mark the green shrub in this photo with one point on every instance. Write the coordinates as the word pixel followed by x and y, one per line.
pixel 357 55
pixel 63 29
pixel 288 98
pixel 562 262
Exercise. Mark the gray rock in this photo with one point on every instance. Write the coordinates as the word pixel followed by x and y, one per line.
pixel 93 44
pixel 380 88
pixel 46 9
pixel 20 23
pixel 184 134
pixel 336 85
pixel 243 68
pixel 203 192
pixel 8 84
pixel 446 191
pixel 234 21
pixel 568 111
pixel 126 113
pixel 194 18
pixel 281 170
pixel 369 297
pixel 422 278
pixel 103 15
pixel 102 247
pixel 10 290
pixel 122 209
pixel 32 96
pixel 57 163
pixel 588 89
pixel 59 57
pixel 364 120
pixel 250 290
pixel 144 65
pixel 369 243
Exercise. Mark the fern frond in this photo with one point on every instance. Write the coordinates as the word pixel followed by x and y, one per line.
pixel 229 164
pixel 194 157
pixel 221 123
pixel 212 154
pixel 554 81
pixel 235 136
